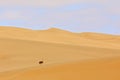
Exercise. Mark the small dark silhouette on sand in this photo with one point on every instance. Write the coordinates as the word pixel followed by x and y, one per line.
pixel 40 62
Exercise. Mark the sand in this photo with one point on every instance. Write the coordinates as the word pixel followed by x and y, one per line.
pixel 66 55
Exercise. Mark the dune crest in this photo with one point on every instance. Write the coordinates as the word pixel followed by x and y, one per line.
pixel 54 35
pixel 99 36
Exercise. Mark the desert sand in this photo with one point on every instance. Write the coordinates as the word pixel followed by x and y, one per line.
pixel 66 55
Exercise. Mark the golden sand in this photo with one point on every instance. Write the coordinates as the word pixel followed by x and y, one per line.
pixel 66 55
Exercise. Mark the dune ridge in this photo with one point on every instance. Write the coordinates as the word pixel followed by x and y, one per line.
pixel 54 35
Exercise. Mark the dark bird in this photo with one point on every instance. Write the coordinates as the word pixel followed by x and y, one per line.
pixel 40 62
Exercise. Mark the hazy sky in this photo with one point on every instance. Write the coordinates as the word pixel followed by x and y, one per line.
pixel 73 15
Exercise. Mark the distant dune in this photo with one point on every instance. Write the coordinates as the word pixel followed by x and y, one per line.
pixel 65 55
pixel 54 35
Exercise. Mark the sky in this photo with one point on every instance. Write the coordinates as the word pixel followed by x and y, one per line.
pixel 101 16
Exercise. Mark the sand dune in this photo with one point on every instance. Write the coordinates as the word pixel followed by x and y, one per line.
pixel 66 55
pixel 101 37
pixel 54 35
pixel 31 52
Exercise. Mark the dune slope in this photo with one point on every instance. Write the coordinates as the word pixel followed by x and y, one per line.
pixel 105 69
pixel 21 53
